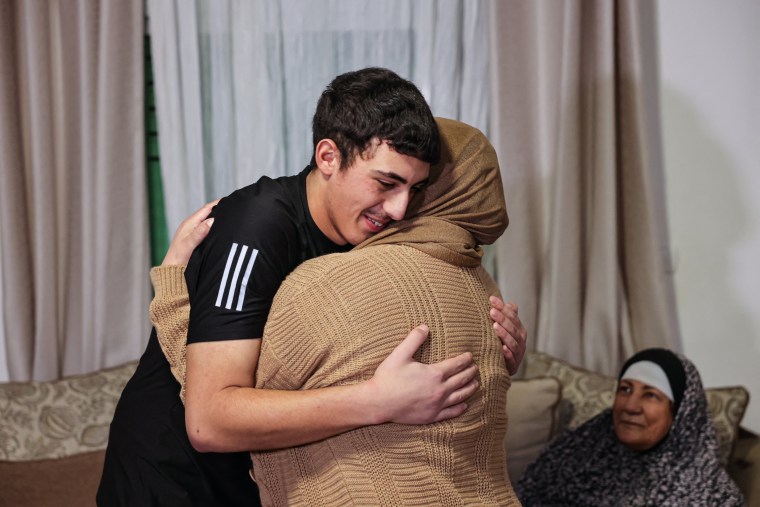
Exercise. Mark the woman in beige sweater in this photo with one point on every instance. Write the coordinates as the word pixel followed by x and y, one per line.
pixel 335 319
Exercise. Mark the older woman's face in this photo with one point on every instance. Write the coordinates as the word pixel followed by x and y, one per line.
pixel 641 415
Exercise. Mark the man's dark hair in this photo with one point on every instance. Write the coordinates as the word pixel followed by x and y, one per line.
pixel 374 103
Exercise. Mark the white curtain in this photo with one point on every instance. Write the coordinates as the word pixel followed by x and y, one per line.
pixel 566 91
pixel 237 81
pixel 73 245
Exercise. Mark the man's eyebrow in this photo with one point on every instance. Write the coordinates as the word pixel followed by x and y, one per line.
pixel 391 175
pixel 399 178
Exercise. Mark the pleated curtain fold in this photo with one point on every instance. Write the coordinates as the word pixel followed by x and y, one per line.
pixel 237 83
pixel 74 288
pixel 566 90
pixel 577 130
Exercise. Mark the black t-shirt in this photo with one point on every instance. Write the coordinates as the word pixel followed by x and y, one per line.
pixel 260 234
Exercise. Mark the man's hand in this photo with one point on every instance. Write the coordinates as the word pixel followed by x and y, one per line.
pixel 410 392
pixel 189 235
pixel 510 331
pixel 224 411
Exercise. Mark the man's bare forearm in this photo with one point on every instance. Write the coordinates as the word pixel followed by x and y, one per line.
pixel 247 418
pixel 224 412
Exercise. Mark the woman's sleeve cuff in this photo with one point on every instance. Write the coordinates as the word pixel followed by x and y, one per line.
pixel 168 280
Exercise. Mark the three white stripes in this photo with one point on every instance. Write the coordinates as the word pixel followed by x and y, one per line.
pixel 235 275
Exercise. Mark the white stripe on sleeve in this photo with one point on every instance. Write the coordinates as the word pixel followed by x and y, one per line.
pixel 247 275
pixel 230 258
pixel 233 283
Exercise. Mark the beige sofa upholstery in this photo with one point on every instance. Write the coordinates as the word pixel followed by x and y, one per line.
pixel 53 434
pixel 53 437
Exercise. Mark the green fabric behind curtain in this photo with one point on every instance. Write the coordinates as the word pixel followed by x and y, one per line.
pixel 159 235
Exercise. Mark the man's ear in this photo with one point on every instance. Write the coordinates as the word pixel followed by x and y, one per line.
pixel 327 156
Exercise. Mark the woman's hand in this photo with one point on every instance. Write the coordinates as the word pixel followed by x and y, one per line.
pixel 510 330
pixel 189 235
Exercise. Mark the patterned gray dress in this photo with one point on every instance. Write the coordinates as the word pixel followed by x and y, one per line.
pixel 590 467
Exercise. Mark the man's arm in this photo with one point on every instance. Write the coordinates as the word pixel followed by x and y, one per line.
pixel 225 413
pixel 402 389
pixel 286 418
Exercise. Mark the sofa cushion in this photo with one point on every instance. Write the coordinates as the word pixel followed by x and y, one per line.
pixel 727 407
pixel 532 421
pixel 72 480
pixel 585 394
pixel 41 420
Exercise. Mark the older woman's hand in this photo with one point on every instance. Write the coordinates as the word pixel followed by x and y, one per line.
pixel 189 235
pixel 510 330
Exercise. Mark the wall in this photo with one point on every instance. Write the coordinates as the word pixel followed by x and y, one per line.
pixel 710 93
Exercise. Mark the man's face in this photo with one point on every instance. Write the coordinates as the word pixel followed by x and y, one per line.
pixel 641 416
pixel 376 189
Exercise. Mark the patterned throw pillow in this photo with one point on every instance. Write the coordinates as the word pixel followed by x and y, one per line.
pixel 44 420
pixel 727 406
pixel 585 394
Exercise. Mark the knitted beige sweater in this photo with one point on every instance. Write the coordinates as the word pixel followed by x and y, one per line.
pixel 333 321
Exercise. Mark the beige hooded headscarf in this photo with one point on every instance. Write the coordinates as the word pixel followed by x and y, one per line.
pixel 463 205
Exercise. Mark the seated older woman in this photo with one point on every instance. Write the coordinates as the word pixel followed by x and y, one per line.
pixel 656 446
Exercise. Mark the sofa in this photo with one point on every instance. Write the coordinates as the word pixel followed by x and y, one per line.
pixel 53 437
pixel 53 434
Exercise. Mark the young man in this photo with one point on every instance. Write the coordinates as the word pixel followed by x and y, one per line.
pixel 261 233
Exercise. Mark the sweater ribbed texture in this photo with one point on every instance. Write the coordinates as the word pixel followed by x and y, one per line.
pixel 348 312
pixel 170 314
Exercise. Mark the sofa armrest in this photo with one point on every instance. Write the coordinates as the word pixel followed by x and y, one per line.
pixel 744 468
